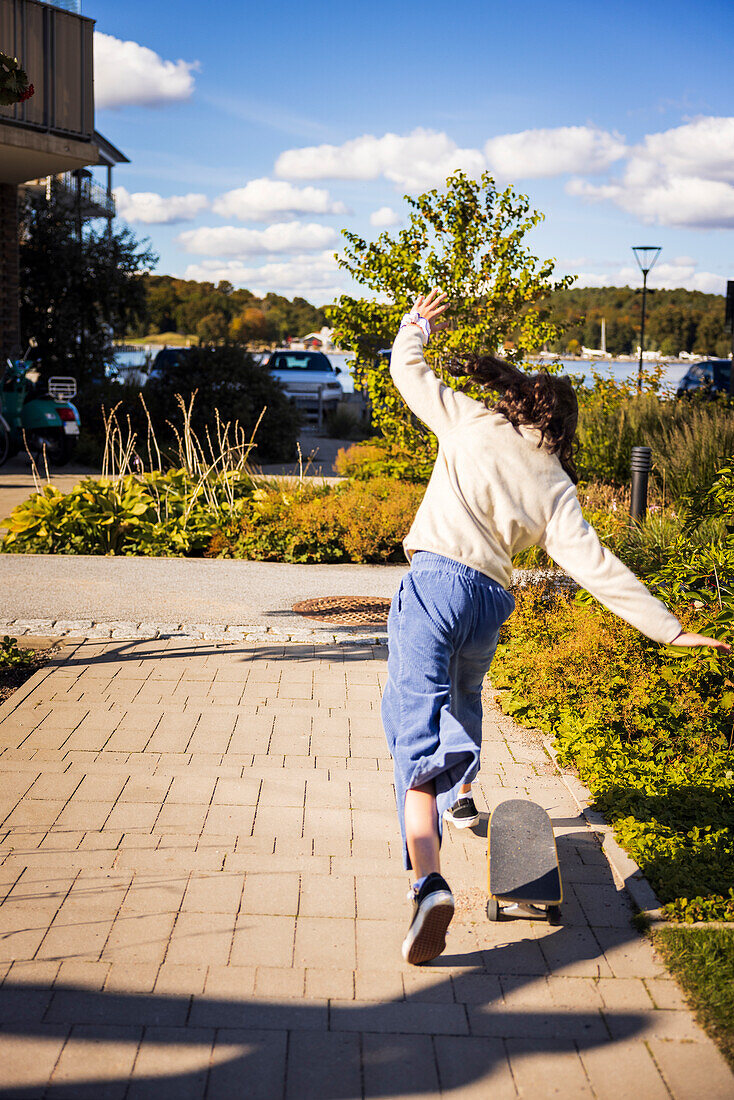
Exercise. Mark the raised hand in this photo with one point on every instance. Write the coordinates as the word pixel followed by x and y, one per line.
pixel 431 307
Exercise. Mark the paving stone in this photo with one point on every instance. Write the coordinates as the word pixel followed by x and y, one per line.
pixel 255 1056
pixel 214 893
pixel 101 1057
pixel 545 1069
pixel 258 937
pixel 28 1060
pixel 623 1071
pixel 324 1066
pixel 327 896
pixel 167 1068
pixel 399 1065
pixel 276 893
pixel 321 940
pixel 473 1068
pixel 139 938
pixel 692 1071
pixel 313 777
pixel 665 993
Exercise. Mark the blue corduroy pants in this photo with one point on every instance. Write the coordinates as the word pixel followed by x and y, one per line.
pixel 443 628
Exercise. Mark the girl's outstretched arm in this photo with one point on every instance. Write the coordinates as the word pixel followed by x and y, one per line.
pixel 701 639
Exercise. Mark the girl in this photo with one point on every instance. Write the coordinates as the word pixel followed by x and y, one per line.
pixel 504 479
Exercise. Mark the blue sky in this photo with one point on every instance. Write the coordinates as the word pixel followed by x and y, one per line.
pixel 257 132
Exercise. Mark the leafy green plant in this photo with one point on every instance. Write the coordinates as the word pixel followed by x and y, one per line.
pixel 376 458
pixel 650 728
pixel 133 511
pixel 345 423
pixel 12 656
pixel 468 238
pixel 689 439
pixel 716 907
pixel 302 522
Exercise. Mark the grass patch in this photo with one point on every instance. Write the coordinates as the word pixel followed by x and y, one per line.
pixel 702 959
pixel 176 339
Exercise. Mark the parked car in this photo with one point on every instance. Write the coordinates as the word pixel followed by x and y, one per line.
pixel 303 374
pixel 711 376
pixel 165 359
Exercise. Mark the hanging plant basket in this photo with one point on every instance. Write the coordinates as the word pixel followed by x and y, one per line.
pixel 14 86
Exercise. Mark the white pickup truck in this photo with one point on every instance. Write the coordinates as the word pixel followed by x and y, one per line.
pixel 308 378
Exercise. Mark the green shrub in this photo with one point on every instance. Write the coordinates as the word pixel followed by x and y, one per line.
pixel 154 515
pixel 226 380
pixel 356 522
pixel 231 381
pixel 650 728
pixel 345 423
pixel 689 439
pixel 376 458
pixel 647 727
pixel 12 656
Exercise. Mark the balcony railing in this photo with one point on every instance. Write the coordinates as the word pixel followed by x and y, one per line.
pixel 82 196
pixel 55 49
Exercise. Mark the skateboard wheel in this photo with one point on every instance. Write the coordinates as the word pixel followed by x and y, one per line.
pixel 553 913
pixel 493 909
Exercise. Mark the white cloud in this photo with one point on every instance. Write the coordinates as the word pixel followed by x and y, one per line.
pixel 702 148
pixel 681 272
pixel 154 209
pixel 682 177
pixel 384 217
pixel 423 158
pixel 316 278
pixel 127 73
pixel 534 153
pixel 262 199
pixel 230 240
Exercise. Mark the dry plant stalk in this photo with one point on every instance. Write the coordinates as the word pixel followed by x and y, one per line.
pixel 214 469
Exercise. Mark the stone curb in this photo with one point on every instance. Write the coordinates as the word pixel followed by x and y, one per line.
pixel 116 630
pixel 624 867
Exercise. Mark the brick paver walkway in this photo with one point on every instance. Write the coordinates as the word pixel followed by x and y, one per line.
pixel 203 896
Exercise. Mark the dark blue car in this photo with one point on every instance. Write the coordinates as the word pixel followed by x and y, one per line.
pixel 710 376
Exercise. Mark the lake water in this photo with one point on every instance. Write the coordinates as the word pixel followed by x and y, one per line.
pixel 608 368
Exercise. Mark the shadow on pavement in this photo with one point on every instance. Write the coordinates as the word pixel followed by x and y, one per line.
pixel 338 1050
pixel 153 649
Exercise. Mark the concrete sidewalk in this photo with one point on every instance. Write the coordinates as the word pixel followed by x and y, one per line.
pixel 203 896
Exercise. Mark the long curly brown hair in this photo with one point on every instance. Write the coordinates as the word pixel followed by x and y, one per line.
pixel 541 400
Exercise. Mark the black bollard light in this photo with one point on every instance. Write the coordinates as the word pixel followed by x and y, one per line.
pixel 641 465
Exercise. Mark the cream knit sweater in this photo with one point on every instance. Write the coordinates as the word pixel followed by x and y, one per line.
pixel 494 492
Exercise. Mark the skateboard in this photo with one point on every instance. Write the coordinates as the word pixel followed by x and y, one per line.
pixel 524 879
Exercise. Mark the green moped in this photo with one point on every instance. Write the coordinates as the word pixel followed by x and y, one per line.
pixel 37 418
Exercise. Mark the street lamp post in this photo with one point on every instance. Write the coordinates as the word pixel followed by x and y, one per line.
pixel 646 255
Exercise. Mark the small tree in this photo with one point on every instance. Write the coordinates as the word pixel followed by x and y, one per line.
pixel 76 294
pixel 469 240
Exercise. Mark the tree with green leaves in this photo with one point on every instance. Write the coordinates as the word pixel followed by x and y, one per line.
pixel 469 239
pixel 75 295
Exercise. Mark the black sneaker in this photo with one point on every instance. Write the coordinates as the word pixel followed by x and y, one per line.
pixel 463 814
pixel 433 908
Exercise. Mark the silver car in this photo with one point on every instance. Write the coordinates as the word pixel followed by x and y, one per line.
pixel 308 378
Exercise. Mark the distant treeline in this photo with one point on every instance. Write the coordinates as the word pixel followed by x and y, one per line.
pixel 675 320
pixel 218 312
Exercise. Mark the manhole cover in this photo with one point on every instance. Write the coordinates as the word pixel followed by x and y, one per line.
pixel 346 610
